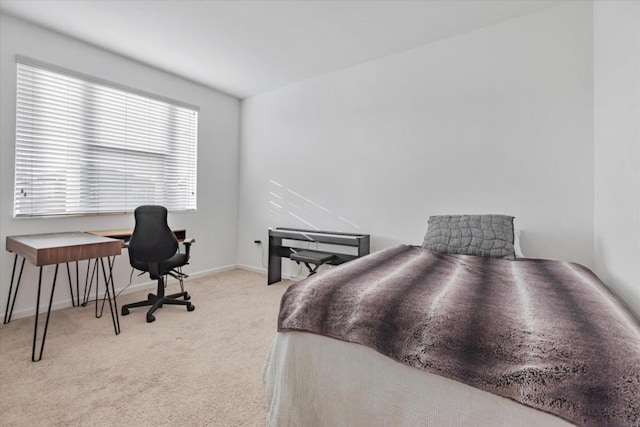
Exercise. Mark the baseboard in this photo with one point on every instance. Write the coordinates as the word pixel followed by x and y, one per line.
pixel 263 270
pixel 124 290
pixel 260 270
pixel 214 270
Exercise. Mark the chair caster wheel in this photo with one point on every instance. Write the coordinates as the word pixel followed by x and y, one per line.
pixel 187 297
pixel 150 318
pixel 150 297
pixel 125 311
pixel 191 307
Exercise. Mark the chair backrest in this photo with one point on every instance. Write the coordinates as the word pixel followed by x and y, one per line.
pixel 152 240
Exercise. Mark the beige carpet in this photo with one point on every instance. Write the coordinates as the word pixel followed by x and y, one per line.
pixel 200 368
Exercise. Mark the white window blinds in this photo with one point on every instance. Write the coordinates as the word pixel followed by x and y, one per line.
pixel 85 146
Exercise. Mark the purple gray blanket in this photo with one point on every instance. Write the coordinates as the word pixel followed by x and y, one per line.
pixel 547 334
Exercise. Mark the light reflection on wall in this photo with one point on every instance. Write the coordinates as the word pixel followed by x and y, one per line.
pixel 290 208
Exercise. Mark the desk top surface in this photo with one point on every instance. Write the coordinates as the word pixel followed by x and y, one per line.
pixel 58 240
pixel 54 248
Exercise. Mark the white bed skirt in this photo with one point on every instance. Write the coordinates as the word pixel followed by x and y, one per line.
pixel 313 380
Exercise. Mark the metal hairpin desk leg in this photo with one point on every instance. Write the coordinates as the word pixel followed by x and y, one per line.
pixel 46 324
pixel 88 283
pixel 56 249
pixel 11 301
pixel 112 307
pixel 95 272
pixel 73 302
pixel 77 285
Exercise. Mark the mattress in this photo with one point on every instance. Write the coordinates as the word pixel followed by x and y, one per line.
pixel 312 380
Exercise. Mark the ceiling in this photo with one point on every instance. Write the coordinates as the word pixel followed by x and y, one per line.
pixel 247 47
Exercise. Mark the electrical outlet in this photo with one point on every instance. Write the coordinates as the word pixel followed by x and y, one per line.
pixel 257 242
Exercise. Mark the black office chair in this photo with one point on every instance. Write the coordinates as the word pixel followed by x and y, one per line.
pixel 153 248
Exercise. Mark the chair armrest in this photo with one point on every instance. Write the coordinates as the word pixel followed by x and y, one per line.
pixel 187 246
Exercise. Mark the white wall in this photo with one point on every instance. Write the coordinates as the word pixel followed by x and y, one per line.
pixel 214 223
pixel 617 146
pixel 499 120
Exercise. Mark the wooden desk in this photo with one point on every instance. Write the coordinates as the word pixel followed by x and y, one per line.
pixel 58 248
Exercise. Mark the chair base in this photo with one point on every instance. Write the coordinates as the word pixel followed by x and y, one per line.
pixel 157 301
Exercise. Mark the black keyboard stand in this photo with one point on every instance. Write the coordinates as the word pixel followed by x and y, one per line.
pixel 279 250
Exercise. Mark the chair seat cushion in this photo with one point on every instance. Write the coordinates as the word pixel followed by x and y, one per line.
pixel 177 260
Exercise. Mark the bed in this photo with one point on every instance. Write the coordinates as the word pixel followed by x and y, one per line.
pixel 456 332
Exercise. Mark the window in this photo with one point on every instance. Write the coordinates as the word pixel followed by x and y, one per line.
pixel 85 146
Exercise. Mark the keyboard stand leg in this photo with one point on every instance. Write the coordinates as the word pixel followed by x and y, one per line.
pixel 312 270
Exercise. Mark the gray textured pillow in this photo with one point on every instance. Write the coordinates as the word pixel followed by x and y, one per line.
pixel 481 235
